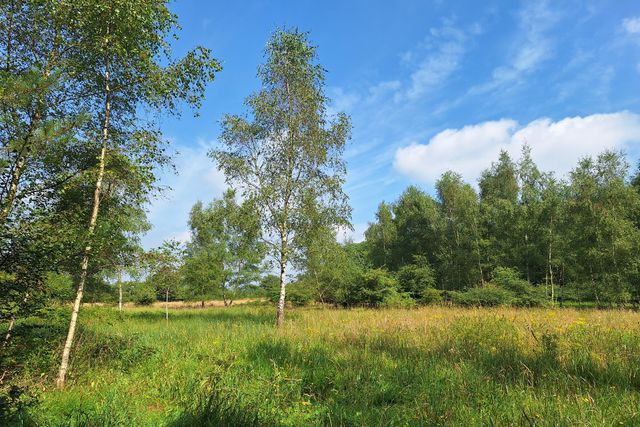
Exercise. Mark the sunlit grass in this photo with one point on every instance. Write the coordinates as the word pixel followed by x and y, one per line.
pixel 433 365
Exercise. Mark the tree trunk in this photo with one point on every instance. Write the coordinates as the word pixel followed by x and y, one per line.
pixel 19 168
pixel 120 291
pixel 13 188
pixel 12 324
pixel 283 284
pixel 84 266
pixel 166 305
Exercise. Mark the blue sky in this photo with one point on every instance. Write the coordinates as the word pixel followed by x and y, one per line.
pixel 429 85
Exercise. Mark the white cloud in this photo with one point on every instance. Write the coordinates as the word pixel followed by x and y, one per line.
pixel 341 101
pixel 556 146
pixel 198 178
pixel 356 235
pixel 441 54
pixel 631 25
pixel 382 89
pixel 182 236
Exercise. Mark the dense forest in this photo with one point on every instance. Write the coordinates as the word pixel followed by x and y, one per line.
pixel 82 85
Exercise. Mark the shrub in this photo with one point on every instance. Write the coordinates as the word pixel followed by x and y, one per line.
pixel 416 278
pixel 397 299
pixel 60 287
pixel 141 293
pixel 486 296
pixel 431 296
pixel 372 288
pixel 525 294
pixel 299 293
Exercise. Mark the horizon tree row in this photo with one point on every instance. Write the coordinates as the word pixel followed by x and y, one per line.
pixel 578 237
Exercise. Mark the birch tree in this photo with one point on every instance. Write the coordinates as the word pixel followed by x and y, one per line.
pixel 119 64
pixel 286 158
pixel 164 264
pixel 225 251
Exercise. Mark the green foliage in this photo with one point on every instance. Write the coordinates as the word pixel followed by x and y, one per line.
pixel 417 278
pixel 299 293
pixel 373 288
pixel 225 252
pixel 140 293
pixel 524 294
pixel 165 273
pixel 432 296
pixel 578 238
pixel 486 296
pixel 60 287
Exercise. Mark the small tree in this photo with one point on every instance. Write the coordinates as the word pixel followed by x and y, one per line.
pixel 164 265
pixel 287 162
pixel 225 251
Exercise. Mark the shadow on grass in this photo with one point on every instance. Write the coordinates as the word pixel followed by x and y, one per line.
pixel 372 380
pixel 223 407
pixel 218 315
pixel 321 372
pixel 217 413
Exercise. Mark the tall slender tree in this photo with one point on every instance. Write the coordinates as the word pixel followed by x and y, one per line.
pixel 381 237
pixel 288 160
pixel 461 250
pixel 120 53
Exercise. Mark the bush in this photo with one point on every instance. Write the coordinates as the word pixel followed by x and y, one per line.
pixel 60 287
pixel 525 294
pixel 372 288
pixel 416 278
pixel 397 299
pixel 299 293
pixel 99 290
pixel 140 293
pixel 431 296
pixel 486 296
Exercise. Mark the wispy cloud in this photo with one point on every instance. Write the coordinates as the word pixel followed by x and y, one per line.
pixel 355 235
pixel 437 58
pixel 631 25
pixel 530 48
pixel 198 179
pixel 341 100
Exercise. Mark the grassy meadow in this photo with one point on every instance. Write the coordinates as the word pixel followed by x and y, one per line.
pixel 427 366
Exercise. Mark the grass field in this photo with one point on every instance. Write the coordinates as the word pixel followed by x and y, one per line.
pixel 429 366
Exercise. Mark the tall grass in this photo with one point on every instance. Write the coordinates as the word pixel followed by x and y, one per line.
pixel 429 366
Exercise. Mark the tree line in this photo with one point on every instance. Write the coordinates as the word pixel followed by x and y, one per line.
pixel 523 237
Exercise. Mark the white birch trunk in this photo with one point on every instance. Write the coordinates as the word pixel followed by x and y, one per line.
pixel 84 266
pixel 120 291
pixel 166 305
pixel 283 284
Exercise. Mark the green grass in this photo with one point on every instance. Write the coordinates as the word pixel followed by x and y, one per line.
pixel 429 366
